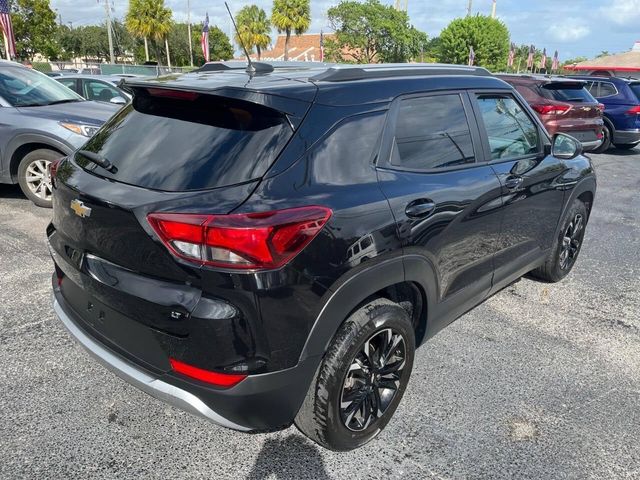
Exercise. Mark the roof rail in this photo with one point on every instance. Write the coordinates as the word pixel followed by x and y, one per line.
pixel 260 67
pixel 342 73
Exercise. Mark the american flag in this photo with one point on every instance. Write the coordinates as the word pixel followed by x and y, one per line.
pixel 543 60
pixel 556 62
pixel 472 56
pixel 7 28
pixel 512 55
pixel 204 40
pixel 532 51
pixel 321 46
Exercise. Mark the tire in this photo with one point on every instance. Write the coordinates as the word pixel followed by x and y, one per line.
pixel 606 141
pixel 626 146
pixel 326 415
pixel 33 175
pixel 567 247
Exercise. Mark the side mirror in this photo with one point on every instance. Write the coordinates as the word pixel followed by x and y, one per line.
pixel 118 100
pixel 565 146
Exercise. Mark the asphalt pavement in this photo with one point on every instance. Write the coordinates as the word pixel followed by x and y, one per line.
pixel 541 381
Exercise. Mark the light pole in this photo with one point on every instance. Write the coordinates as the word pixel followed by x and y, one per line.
pixel 469 6
pixel 109 33
pixel 493 9
pixel 189 32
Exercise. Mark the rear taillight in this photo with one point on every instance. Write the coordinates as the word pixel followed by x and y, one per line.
pixel 558 109
pixel 248 241
pixel 634 110
pixel 215 378
pixel 601 107
pixel 53 168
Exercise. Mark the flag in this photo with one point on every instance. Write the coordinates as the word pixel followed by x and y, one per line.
pixel 204 40
pixel 556 62
pixel 512 55
pixel 543 60
pixel 321 46
pixel 7 28
pixel 472 56
pixel 532 51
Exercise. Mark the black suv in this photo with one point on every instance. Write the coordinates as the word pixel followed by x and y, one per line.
pixel 270 247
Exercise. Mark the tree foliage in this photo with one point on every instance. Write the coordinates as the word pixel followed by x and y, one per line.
pixel 219 45
pixel 149 19
pixel 254 28
pixel 371 32
pixel 291 16
pixel 34 26
pixel 488 36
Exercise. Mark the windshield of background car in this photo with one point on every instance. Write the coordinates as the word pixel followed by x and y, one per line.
pixel 636 89
pixel 188 141
pixel 567 92
pixel 23 87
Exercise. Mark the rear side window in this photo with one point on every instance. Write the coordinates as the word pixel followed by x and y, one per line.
pixel 636 89
pixel 567 93
pixel 193 142
pixel 511 132
pixel 432 132
pixel 607 89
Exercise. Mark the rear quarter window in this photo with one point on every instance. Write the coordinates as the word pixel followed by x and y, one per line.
pixel 187 144
pixel 635 87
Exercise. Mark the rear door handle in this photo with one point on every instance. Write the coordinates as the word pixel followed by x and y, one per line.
pixel 420 208
pixel 513 182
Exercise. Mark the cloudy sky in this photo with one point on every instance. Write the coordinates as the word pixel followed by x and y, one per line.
pixel 573 27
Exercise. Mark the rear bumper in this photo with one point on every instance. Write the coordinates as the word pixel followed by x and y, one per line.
pixel 264 402
pixel 626 136
pixel 589 146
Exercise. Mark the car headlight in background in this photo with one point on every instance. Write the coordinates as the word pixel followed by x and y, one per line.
pixel 80 129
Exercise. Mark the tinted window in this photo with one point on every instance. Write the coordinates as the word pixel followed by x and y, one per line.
pixel 636 89
pixel 99 91
pixel 69 83
pixel 567 93
pixel 432 132
pixel 592 88
pixel 178 145
pixel 607 89
pixel 366 242
pixel 24 87
pixel 510 130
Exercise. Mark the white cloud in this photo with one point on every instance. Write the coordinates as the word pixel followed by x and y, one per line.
pixel 623 12
pixel 564 32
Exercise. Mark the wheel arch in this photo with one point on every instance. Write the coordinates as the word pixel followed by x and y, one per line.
pixel 22 145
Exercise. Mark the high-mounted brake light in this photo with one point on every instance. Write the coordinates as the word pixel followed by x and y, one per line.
pixel 634 110
pixel 174 94
pixel 215 378
pixel 247 241
pixel 558 109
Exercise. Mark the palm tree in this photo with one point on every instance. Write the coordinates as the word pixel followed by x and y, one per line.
pixel 253 28
pixel 149 18
pixel 291 16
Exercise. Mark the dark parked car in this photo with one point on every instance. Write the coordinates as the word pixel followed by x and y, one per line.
pixel 207 240
pixel 101 88
pixel 40 121
pixel 621 100
pixel 563 105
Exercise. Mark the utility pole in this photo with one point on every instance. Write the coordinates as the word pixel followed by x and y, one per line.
pixel 107 8
pixel 493 9
pixel 189 30
pixel 469 6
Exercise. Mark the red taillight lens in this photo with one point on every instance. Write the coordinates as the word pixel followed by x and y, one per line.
pixel 174 94
pixel 53 168
pixel 215 378
pixel 601 107
pixel 249 241
pixel 558 109
pixel 634 110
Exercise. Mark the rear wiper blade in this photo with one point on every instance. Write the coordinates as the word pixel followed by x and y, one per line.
pixel 98 160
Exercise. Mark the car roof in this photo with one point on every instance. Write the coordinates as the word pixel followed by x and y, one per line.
pixel 328 84
pixel 539 79
pixel 608 78
pixel 107 78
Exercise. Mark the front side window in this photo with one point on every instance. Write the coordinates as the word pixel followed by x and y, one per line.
pixel 69 83
pixel 510 130
pixel 432 132
pixel 99 91
pixel 23 87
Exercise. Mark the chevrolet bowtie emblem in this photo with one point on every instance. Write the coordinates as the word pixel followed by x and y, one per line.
pixel 80 209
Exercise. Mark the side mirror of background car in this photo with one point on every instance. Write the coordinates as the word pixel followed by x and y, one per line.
pixel 118 100
pixel 565 146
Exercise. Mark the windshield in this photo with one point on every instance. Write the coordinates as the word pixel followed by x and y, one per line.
pixel 567 92
pixel 23 87
pixel 636 89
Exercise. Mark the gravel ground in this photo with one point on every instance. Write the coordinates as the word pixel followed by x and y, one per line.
pixel 541 381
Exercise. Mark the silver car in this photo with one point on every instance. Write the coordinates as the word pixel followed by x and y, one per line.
pixel 40 122
pixel 101 88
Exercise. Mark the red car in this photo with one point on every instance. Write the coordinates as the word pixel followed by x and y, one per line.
pixel 564 105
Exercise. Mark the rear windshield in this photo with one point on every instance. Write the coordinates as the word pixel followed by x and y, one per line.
pixel 190 143
pixel 636 89
pixel 569 92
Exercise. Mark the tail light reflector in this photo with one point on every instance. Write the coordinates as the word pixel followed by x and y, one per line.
pixel 634 110
pixel 215 378
pixel 247 241
pixel 545 109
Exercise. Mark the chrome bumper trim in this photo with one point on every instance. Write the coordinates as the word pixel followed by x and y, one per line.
pixel 153 386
